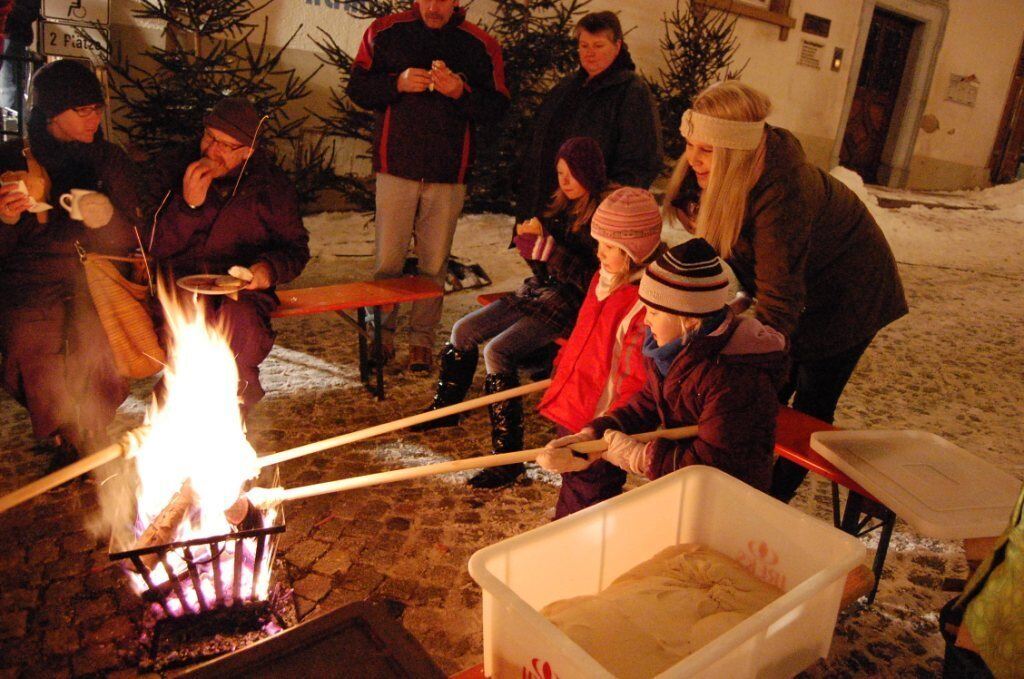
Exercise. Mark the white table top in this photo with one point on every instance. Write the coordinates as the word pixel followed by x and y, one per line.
pixel 940 489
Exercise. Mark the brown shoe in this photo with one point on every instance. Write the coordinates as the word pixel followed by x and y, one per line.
pixel 421 359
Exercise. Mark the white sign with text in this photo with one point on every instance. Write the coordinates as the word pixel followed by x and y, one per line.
pixel 62 40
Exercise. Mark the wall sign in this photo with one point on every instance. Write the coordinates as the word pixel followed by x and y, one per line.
pixel 810 54
pixel 77 11
pixel 816 25
pixel 963 89
pixel 63 40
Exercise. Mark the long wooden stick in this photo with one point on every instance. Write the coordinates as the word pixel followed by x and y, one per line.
pixel 75 469
pixel 268 496
pixel 402 423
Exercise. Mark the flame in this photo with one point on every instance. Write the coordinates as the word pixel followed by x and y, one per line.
pixel 196 435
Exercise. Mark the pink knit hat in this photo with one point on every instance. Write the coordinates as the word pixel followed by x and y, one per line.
pixel 630 219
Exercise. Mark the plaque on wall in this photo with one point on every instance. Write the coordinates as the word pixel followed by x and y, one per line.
pixel 963 89
pixel 816 25
pixel 810 54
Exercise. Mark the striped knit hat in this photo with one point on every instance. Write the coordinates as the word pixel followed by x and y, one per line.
pixel 688 280
pixel 630 219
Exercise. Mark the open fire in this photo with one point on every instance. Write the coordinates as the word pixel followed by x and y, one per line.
pixel 189 548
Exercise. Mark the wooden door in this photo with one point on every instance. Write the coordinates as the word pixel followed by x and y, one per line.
pixel 1008 153
pixel 878 85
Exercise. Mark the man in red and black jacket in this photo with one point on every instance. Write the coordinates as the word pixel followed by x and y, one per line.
pixel 431 77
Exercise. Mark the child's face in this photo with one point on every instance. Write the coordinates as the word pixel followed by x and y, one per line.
pixel 570 187
pixel 664 326
pixel 614 259
pixel 701 158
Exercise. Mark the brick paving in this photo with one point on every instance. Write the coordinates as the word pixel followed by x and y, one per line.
pixel 65 610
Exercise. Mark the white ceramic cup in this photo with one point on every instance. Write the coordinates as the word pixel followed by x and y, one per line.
pixel 72 200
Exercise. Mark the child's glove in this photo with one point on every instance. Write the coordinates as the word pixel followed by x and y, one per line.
pixel 626 452
pixel 97 210
pixel 558 458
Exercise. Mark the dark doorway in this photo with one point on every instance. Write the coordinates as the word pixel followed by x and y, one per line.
pixel 878 86
pixel 1008 153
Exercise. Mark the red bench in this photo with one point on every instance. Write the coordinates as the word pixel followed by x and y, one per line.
pixel 359 295
pixel 793 442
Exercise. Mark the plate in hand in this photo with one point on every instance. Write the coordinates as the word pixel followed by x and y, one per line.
pixel 211 284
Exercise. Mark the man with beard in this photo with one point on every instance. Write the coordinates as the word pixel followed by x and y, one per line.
pixel 235 208
pixel 431 77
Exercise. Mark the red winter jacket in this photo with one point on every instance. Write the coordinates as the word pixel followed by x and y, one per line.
pixel 723 383
pixel 588 360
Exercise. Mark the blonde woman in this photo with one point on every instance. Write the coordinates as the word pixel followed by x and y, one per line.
pixel 797 239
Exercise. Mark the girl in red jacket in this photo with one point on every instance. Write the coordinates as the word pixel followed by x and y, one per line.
pixel 705 366
pixel 601 366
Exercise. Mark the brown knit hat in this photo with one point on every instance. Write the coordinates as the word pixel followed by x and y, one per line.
pixel 237 117
pixel 586 162
pixel 630 219
pixel 687 280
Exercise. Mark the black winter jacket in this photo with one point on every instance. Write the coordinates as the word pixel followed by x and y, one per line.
pixel 427 136
pixel 616 109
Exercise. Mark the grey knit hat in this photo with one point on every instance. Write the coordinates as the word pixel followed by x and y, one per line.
pixel 65 84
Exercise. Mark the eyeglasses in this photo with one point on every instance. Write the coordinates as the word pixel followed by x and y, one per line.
pixel 86 111
pixel 226 145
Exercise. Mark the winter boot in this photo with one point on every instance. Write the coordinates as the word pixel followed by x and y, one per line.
pixel 506 432
pixel 456 374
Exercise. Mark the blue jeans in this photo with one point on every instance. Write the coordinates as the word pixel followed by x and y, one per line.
pixel 512 335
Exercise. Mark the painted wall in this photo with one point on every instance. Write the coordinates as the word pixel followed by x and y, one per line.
pixel 806 100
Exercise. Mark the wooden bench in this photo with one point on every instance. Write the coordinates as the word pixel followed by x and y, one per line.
pixel 359 296
pixel 793 442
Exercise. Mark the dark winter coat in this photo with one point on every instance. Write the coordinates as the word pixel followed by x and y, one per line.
pixel 723 383
pixel 814 257
pixel 556 291
pixel 427 136
pixel 261 223
pixel 615 108
pixel 38 262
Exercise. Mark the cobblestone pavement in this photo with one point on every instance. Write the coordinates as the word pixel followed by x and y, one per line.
pixel 66 610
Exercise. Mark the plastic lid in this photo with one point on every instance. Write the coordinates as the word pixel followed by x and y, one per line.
pixel 940 489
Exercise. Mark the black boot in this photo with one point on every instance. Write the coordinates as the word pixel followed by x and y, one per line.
pixel 506 432
pixel 456 374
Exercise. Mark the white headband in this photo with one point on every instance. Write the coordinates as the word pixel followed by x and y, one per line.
pixel 730 134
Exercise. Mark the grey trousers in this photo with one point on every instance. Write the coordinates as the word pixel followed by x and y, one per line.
pixel 428 212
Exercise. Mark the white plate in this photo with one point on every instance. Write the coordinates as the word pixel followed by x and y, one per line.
pixel 211 284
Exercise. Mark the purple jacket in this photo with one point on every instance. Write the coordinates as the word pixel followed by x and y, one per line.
pixel 261 223
pixel 723 383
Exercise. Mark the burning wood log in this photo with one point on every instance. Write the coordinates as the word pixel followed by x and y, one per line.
pixel 264 498
pixel 395 425
pixel 162 529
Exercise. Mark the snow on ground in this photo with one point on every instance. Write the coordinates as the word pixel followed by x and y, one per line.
pixel 954 366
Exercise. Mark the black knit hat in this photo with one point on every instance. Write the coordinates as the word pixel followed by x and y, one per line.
pixel 237 117
pixel 64 84
pixel 586 162
pixel 687 280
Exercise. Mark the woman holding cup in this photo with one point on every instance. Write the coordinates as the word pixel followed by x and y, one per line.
pixel 57 361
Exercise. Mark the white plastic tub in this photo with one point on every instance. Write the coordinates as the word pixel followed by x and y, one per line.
pixel 583 553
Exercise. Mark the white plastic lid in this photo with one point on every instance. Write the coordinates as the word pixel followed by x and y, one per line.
pixel 940 489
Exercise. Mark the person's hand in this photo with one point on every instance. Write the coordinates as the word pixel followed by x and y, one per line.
pixel 196 183
pixel 262 276
pixel 557 457
pixel 414 80
pixel 447 83
pixel 13 202
pixel 531 226
pixel 97 210
pixel 625 452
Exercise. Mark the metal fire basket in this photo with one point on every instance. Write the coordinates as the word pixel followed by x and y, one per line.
pixel 205 559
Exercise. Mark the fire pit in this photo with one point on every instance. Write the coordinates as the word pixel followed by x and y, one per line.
pixel 197 575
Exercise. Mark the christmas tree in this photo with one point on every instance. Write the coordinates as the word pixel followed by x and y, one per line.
pixel 212 50
pixel 538 49
pixel 698 46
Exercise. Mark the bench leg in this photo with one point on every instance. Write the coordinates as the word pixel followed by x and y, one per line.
pixel 836 520
pixel 364 357
pixel 852 524
pixel 888 523
pixel 378 350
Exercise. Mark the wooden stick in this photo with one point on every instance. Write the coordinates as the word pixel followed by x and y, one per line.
pixel 402 423
pixel 481 462
pixel 75 469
